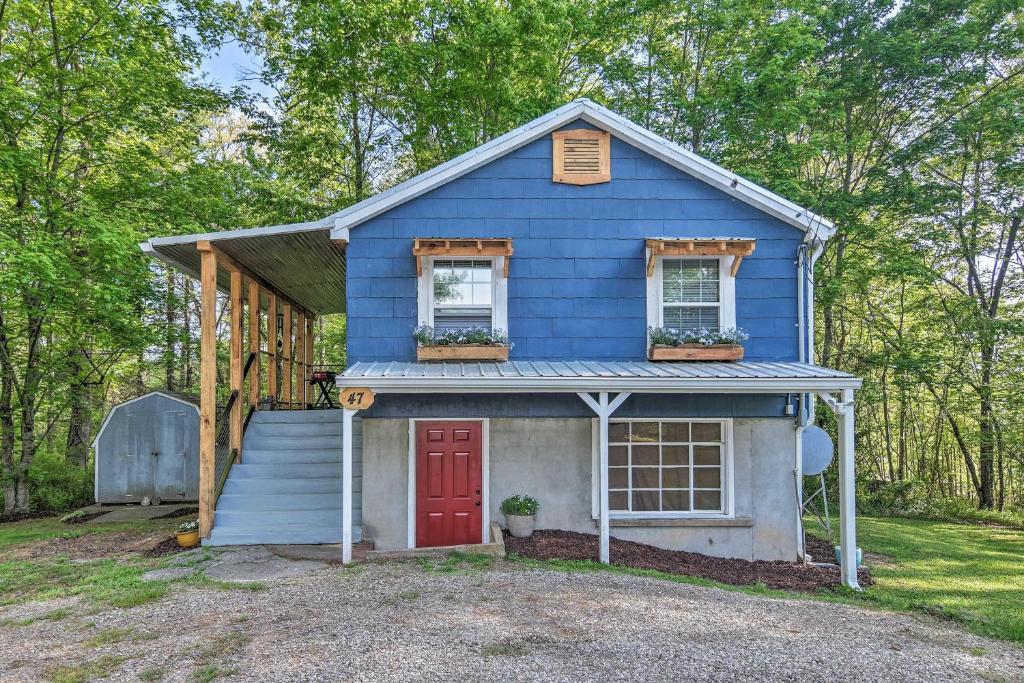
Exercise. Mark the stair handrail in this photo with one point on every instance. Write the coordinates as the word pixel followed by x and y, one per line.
pixel 222 420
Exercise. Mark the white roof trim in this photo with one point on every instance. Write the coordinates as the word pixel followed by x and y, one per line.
pixel 118 406
pixel 816 227
pixel 241 233
pixel 670 385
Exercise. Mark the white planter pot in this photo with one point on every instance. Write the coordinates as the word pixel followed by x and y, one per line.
pixel 520 526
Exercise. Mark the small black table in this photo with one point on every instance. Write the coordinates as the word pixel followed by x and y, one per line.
pixel 323 380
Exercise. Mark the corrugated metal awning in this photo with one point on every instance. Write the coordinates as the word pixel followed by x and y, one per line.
pixel 591 375
pixel 299 260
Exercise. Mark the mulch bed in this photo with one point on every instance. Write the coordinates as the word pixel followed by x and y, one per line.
pixel 819 549
pixel 183 512
pixel 571 545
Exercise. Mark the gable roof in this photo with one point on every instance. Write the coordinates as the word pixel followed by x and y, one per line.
pixel 816 227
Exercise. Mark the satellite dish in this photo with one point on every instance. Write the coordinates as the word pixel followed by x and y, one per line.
pixel 817 451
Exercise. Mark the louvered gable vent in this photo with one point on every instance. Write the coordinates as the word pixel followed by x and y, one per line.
pixel 581 157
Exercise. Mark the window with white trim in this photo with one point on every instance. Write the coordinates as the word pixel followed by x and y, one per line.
pixel 668 467
pixel 463 293
pixel 691 293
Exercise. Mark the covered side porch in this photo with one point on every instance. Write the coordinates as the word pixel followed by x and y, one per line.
pixel 278 281
pixel 508 397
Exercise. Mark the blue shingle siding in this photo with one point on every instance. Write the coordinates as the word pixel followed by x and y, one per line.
pixel 577 280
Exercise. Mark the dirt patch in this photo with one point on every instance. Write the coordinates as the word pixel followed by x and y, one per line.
pixel 94 546
pixel 570 545
pixel 168 546
pixel 181 512
pixel 84 517
pixel 22 516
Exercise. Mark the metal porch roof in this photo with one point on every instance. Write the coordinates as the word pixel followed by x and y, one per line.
pixel 300 260
pixel 591 375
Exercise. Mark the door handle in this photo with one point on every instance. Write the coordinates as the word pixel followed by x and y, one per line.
pixel 477 503
pixel 478 492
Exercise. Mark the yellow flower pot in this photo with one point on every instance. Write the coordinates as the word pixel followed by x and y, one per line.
pixel 189 539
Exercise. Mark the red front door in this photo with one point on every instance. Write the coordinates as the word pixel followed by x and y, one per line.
pixel 449 459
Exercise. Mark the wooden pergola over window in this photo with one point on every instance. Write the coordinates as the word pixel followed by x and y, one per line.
pixel 705 246
pixel 465 247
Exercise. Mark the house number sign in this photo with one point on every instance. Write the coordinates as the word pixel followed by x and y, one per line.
pixel 356 398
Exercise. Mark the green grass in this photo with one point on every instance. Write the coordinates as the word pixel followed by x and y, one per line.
pixel 102 667
pixel 16 533
pixel 970 573
pixel 105 582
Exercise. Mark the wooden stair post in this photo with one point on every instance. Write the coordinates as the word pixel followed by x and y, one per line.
pixel 286 357
pixel 207 385
pixel 254 343
pixel 272 347
pixel 235 365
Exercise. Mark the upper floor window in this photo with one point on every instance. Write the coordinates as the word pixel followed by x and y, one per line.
pixel 462 294
pixel 691 294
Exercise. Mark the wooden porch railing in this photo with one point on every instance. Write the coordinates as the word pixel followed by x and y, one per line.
pixel 222 420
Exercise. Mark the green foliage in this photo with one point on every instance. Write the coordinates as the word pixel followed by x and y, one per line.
pixel 519 505
pixel 58 485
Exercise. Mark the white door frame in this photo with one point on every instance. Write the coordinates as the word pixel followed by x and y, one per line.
pixel 485 475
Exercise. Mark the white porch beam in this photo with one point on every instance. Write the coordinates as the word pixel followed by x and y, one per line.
pixel 604 409
pixel 346 486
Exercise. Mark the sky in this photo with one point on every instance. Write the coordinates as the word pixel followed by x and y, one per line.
pixel 231 66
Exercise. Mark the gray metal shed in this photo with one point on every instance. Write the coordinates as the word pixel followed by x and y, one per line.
pixel 149 446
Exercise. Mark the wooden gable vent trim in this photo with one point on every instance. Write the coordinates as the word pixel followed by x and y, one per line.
pixel 701 247
pixel 469 247
pixel 581 157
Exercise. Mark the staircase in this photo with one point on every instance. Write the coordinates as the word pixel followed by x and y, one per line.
pixel 287 489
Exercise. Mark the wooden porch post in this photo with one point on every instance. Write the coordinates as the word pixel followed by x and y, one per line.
pixel 307 390
pixel 207 385
pixel 235 439
pixel 286 357
pixel 272 346
pixel 254 343
pixel 300 359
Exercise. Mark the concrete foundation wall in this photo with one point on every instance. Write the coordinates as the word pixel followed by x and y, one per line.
pixel 552 460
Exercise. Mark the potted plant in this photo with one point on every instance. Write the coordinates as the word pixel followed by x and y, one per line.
pixel 520 514
pixel 469 344
pixel 705 345
pixel 188 534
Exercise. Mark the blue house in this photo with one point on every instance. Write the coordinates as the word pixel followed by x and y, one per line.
pixel 582 254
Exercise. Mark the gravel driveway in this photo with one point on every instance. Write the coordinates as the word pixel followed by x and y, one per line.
pixel 401 622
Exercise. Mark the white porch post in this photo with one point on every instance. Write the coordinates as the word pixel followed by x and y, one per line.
pixel 346 486
pixel 847 492
pixel 604 409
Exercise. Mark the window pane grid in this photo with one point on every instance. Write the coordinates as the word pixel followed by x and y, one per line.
pixel 674 481
pixel 691 294
pixel 462 294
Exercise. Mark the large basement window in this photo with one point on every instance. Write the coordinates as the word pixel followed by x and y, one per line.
pixel 669 468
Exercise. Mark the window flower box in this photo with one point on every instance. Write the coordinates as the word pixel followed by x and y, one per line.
pixel 695 345
pixel 460 345
pixel 457 352
pixel 713 352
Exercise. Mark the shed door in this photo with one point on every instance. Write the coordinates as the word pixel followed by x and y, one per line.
pixel 170 455
pixel 449 460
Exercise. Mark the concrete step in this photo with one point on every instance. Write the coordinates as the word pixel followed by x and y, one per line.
pixel 259 456
pixel 295 416
pixel 279 501
pixel 239 519
pixel 318 470
pixel 290 443
pixel 266 486
pixel 294 429
pixel 282 534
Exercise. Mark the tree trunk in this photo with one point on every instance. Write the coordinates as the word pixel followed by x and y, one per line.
pixel 986 428
pixel 80 422
pixel 170 332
